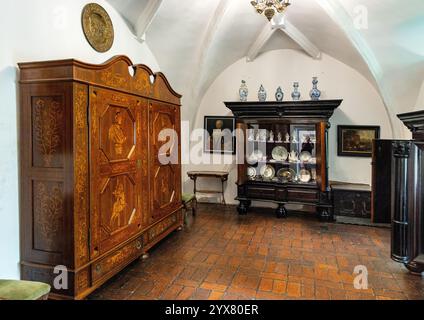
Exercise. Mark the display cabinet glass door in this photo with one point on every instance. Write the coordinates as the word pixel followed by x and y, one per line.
pixel 281 153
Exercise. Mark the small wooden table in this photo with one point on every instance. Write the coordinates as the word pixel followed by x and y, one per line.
pixel 222 175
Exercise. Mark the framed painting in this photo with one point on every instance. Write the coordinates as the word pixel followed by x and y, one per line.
pixel 220 135
pixel 356 141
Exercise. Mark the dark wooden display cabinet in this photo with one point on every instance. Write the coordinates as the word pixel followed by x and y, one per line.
pixel 407 195
pixel 282 154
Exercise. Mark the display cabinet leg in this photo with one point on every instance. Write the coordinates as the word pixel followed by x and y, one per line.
pixel 325 215
pixel 281 212
pixel 243 207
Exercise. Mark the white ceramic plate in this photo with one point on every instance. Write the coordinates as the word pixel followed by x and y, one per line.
pixel 305 156
pixel 251 172
pixel 280 153
pixel 287 174
pixel 268 172
pixel 305 176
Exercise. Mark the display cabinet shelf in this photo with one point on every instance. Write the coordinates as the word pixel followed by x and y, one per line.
pixel 284 147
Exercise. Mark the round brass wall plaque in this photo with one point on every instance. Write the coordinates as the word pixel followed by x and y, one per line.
pixel 97 27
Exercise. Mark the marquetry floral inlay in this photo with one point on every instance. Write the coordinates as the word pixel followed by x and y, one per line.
pixel 49 215
pixel 81 175
pixel 48 119
pixel 113 79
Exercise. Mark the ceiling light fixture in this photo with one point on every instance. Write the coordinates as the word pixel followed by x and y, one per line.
pixel 270 7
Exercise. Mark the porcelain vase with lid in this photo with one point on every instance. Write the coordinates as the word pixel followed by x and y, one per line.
pixel 315 94
pixel 262 94
pixel 279 95
pixel 243 91
pixel 296 94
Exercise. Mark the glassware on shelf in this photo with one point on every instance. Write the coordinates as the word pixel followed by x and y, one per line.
pixel 262 135
pixel 257 136
pixel 251 135
pixel 314 174
pixel 255 156
pixel 271 136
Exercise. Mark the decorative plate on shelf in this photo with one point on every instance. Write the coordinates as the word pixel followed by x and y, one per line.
pixel 286 174
pixel 268 172
pixel 97 27
pixel 305 176
pixel 251 172
pixel 305 156
pixel 280 153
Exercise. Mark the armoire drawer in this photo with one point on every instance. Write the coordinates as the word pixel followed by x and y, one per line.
pixel 302 195
pixel 117 260
pixel 261 192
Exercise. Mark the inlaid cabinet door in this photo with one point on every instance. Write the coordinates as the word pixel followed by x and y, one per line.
pixel 165 176
pixel 118 179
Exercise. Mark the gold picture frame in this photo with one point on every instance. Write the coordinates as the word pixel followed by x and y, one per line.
pixel 356 141
pixel 97 27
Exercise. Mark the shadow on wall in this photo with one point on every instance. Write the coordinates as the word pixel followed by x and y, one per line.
pixel 9 228
pixel 347 169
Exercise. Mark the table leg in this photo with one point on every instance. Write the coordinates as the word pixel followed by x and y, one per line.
pixel 223 196
pixel 195 188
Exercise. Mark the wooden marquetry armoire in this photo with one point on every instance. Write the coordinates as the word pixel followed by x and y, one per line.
pixel 96 189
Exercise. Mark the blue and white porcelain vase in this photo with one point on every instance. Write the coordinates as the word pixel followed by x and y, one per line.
pixel 244 91
pixel 296 94
pixel 279 95
pixel 315 94
pixel 262 94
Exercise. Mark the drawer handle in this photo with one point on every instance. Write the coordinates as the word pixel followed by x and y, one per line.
pixel 138 245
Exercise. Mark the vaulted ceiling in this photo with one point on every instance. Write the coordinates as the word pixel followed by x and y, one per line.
pixel 194 41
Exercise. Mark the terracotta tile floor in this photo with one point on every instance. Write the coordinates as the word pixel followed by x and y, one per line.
pixel 220 255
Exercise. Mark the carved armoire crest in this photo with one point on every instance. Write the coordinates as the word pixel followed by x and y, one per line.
pixel 92 186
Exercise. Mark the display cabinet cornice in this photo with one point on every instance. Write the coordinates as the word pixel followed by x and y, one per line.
pixel 282 152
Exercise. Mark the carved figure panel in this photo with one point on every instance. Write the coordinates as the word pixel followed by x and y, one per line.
pixel 48 128
pixel 117 133
pixel 117 204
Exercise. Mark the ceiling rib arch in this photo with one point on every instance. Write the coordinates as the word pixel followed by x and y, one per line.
pixel 145 19
pixel 338 13
pixel 280 23
pixel 205 44
pixel 260 42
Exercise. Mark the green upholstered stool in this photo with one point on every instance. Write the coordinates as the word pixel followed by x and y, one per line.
pixel 189 202
pixel 23 290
